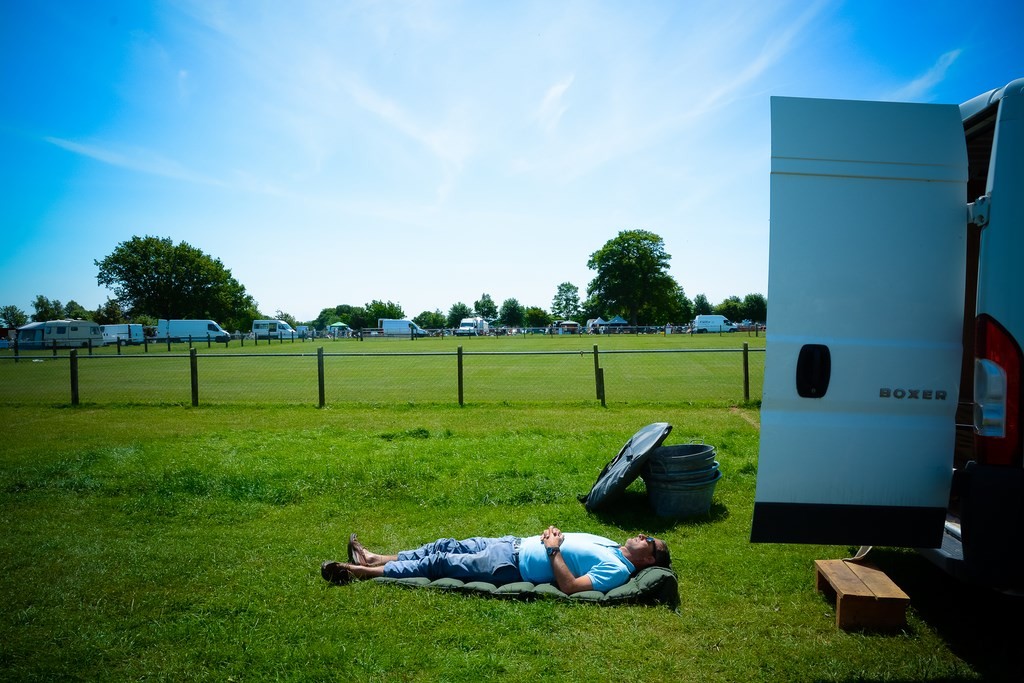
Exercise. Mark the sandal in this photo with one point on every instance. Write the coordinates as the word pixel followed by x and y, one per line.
pixel 356 552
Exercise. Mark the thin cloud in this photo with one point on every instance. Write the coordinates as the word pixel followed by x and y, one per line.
pixel 920 88
pixel 139 160
pixel 553 106
pixel 450 144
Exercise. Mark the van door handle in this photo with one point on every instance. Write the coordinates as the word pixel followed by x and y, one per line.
pixel 813 370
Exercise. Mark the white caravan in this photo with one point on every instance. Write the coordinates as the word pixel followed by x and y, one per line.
pixel 65 333
pixel 194 330
pixel 895 323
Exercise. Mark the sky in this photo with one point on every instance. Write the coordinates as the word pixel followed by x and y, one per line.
pixel 426 153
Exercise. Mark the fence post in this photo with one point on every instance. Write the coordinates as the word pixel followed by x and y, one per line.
pixel 168 342
pixel 209 342
pixel 320 374
pixel 74 377
pixel 89 341
pixel 118 347
pixel 460 375
pixel 194 367
pixel 597 372
pixel 54 348
pixel 145 344
pixel 746 371
pixel 600 387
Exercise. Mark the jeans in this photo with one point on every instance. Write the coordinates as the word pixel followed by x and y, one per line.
pixel 494 560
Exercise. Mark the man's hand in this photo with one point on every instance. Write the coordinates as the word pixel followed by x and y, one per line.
pixel 552 538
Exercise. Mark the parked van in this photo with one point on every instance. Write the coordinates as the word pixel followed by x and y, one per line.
pixel 127 333
pixel 391 327
pixel 273 329
pixel 196 330
pixel 470 327
pixel 713 323
pixel 897 425
pixel 66 334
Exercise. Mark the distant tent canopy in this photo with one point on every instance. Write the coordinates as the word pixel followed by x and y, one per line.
pixel 337 326
pixel 596 322
pixel 618 320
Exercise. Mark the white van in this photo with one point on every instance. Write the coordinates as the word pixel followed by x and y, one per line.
pixel 66 334
pixel 713 323
pixel 127 333
pixel 273 329
pixel 194 330
pixel 393 327
pixel 866 434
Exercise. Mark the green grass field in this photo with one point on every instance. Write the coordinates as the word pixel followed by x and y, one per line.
pixel 534 368
pixel 170 543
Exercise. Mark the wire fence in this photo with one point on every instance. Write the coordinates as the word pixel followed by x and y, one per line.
pixel 311 375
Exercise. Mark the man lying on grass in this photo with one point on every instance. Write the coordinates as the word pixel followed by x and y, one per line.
pixel 574 562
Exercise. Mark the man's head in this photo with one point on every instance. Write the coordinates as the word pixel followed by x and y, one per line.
pixel 647 551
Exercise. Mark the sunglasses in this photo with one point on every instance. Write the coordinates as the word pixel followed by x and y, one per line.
pixel 654 546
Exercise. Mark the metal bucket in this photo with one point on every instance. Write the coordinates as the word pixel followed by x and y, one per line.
pixel 673 460
pixel 682 499
pixel 685 476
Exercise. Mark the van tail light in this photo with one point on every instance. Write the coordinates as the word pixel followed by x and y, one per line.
pixel 997 394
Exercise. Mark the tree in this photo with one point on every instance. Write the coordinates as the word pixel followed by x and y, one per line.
pixel 592 308
pixel 701 305
pixel 154 276
pixel 46 309
pixel 430 320
pixel 566 304
pixel 75 311
pixel 632 272
pixel 13 316
pixel 537 317
pixel 375 310
pixel 684 308
pixel 731 308
pixel 281 315
pixel 755 308
pixel 485 307
pixel 512 313
pixel 343 313
pixel 457 312
pixel 110 313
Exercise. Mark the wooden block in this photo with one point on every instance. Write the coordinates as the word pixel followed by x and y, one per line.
pixel 865 597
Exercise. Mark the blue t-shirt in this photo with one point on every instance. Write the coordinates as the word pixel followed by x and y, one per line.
pixel 595 556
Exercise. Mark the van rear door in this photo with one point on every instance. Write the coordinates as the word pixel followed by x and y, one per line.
pixel 866 284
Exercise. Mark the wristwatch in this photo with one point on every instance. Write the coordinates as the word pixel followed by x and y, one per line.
pixel 552 551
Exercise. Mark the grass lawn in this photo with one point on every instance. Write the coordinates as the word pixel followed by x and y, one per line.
pixel 534 368
pixel 171 543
